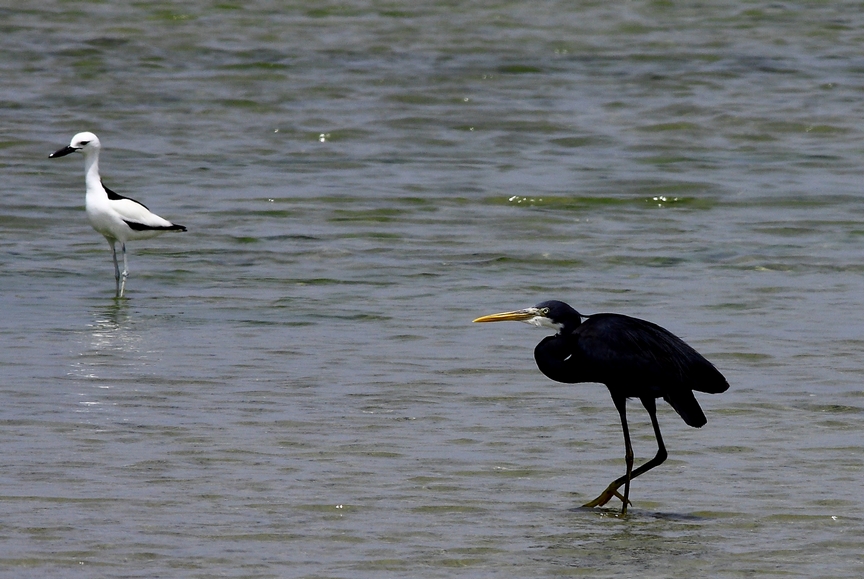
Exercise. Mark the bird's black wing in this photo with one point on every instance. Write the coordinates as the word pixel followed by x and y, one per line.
pixel 135 226
pixel 117 197
pixel 639 359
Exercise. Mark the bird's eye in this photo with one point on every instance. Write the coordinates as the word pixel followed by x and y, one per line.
pixel 544 311
pixel 84 143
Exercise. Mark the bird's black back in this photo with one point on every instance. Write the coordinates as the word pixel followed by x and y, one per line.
pixel 633 358
pixel 117 197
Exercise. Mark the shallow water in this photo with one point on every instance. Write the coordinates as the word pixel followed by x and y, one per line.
pixel 293 388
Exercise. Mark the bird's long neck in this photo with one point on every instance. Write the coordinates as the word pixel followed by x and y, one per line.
pixel 570 324
pixel 91 174
pixel 558 359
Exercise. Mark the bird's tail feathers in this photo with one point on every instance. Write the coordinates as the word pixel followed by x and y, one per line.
pixel 687 407
pixel 708 379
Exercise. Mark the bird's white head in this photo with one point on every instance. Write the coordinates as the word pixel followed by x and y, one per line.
pixel 85 142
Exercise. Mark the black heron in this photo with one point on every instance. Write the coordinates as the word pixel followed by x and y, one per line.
pixel 633 358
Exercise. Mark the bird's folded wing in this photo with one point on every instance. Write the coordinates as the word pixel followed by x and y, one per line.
pixel 636 349
pixel 134 212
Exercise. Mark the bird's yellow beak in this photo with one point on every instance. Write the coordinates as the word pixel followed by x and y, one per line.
pixel 516 316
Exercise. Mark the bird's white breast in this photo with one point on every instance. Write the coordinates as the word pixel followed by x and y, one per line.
pixel 104 219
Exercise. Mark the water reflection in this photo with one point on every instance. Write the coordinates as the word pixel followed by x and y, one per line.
pixel 111 328
pixel 643 541
pixel 109 342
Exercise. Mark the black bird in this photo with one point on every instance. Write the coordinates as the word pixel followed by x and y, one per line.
pixel 633 358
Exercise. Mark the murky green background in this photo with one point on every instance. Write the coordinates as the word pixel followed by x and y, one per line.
pixel 294 387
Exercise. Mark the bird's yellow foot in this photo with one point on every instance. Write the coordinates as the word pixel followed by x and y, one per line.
pixel 606 496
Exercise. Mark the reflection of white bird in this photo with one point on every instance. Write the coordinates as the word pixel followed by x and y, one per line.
pixel 116 217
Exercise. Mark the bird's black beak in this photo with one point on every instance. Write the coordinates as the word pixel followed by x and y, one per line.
pixel 67 150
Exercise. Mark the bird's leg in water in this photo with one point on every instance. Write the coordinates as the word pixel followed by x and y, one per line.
pixel 125 273
pixel 116 267
pixel 621 404
pixel 606 495
pixel 612 490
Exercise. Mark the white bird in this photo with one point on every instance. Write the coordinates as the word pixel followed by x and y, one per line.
pixel 116 217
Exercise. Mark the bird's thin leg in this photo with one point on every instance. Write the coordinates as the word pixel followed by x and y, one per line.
pixel 612 489
pixel 651 406
pixel 125 270
pixel 628 452
pixel 116 267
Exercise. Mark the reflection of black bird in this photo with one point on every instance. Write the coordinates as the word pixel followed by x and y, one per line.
pixel 633 358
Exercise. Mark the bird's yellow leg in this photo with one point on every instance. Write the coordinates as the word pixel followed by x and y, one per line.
pixel 606 495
